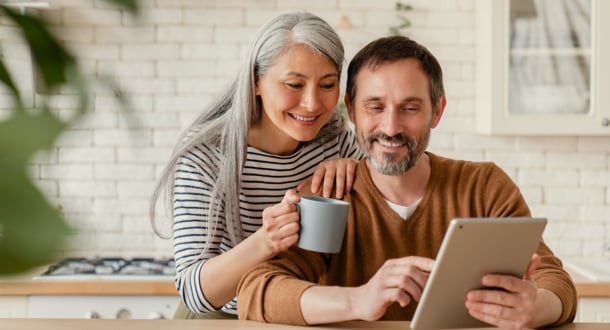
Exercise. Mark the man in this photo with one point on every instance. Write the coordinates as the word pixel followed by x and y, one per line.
pixel 401 202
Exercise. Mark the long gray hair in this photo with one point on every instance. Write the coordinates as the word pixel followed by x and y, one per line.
pixel 225 123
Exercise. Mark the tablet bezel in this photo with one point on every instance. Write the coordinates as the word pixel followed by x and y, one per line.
pixel 471 248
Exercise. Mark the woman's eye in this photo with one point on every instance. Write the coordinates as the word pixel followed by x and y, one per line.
pixel 328 86
pixel 294 85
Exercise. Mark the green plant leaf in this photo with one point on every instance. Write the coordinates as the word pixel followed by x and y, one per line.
pixel 27 132
pixel 5 77
pixel 131 6
pixel 48 55
pixel 31 230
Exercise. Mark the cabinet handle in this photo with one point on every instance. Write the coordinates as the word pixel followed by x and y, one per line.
pixel 605 122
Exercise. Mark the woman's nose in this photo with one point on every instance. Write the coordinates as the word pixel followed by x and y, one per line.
pixel 311 99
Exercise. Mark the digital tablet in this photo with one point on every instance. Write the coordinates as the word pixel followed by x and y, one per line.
pixel 471 248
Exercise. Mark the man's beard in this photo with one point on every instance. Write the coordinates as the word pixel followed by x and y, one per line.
pixel 390 163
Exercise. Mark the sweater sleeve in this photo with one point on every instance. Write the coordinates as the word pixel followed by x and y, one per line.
pixel 271 291
pixel 550 275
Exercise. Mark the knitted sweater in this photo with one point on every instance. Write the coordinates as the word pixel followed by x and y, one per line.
pixel 272 290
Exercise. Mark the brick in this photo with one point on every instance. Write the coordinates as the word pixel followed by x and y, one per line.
pixel 149 86
pixel 185 33
pixel 566 160
pixel 96 51
pixel 367 4
pixel 98 119
pixel 191 86
pixel 142 155
pixel 150 51
pixel 595 178
pixel 184 3
pixel 87 16
pixel 86 155
pixel 131 68
pixel 310 5
pixel 120 172
pixel 258 4
pixel 213 17
pixel 548 178
pixel 156 120
pixel 178 103
pixel 233 34
pixel 122 137
pixel 80 34
pixel 135 189
pixel 186 69
pixel 75 138
pixel 578 196
pixel 209 51
pixel 124 34
pixel 166 137
pixel 67 171
pixel 162 15
pixel 68 188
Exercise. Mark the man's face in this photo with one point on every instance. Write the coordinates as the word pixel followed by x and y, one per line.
pixel 393 115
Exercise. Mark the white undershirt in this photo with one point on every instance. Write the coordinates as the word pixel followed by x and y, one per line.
pixel 404 211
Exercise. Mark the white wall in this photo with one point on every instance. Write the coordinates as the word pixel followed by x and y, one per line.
pixel 101 173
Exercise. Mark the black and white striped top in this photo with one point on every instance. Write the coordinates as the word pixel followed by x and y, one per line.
pixel 265 179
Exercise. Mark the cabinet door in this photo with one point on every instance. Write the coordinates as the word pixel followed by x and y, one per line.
pixel 542 67
pixel 13 306
pixel 593 310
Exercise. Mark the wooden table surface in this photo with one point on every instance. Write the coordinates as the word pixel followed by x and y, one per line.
pixel 102 324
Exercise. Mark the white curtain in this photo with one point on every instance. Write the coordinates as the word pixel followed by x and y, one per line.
pixel 550 59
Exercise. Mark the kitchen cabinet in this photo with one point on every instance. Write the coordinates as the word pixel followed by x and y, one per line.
pixel 542 67
pixel 13 306
pixel 593 309
pixel 136 299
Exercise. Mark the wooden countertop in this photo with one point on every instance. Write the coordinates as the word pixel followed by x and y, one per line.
pixel 23 285
pixel 588 288
pixel 78 287
pixel 103 324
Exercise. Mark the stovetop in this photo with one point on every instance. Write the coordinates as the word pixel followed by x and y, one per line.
pixel 111 268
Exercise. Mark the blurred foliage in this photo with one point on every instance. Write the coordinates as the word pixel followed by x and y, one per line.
pixel 32 231
pixel 403 22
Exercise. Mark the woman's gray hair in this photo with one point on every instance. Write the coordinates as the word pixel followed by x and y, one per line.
pixel 225 123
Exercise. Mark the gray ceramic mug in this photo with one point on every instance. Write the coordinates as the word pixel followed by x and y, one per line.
pixel 322 222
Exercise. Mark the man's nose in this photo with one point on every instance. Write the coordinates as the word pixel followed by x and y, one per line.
pixel 390 122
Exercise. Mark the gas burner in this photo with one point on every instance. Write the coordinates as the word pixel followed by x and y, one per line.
pixel 113 268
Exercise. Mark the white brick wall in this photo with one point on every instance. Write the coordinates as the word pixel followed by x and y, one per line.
pixel 175 58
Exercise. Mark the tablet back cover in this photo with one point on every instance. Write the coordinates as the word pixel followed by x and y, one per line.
pixel 471 248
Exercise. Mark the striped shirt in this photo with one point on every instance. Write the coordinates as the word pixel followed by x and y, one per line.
pixel 265 179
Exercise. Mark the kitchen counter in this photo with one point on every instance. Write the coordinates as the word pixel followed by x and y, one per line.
pixel 71 324
pixel 24 285
pixel 589 288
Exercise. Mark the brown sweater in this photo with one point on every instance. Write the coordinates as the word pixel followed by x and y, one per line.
pixel 271 291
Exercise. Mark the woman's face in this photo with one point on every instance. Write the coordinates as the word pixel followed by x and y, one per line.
pixel 298 92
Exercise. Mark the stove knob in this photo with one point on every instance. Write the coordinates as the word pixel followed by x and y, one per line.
pixel 123 313
pixel 92 315
pixel 155 316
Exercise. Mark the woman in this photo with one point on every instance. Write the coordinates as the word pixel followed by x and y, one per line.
pixel 267 132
